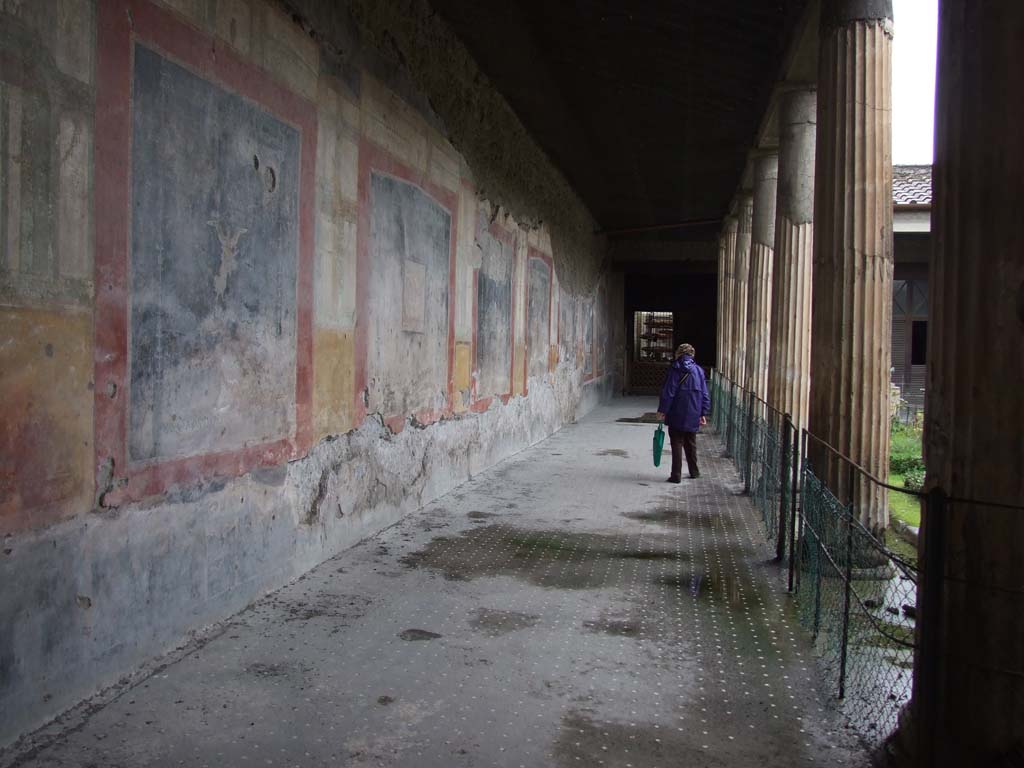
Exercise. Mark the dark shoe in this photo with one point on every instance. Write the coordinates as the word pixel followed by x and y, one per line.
pixel 695 475
pixel 673 480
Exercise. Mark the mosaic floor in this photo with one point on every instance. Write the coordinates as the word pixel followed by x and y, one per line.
pixel 566 608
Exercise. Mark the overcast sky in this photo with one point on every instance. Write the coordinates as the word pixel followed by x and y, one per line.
pixel 913 80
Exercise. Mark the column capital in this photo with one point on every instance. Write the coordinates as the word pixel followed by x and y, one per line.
pixel 841 13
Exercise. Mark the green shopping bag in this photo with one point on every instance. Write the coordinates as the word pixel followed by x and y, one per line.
pixel 659 444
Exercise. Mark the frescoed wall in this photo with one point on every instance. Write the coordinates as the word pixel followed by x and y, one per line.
pixel 408 299
pixel 568 313
pixel 254 307
pixel 587 336
pixel 46 263
pixel 538 315
pixel 494 309
pixel 214 260
pixel 600 329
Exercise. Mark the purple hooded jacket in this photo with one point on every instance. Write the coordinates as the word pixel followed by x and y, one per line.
pixel 684 397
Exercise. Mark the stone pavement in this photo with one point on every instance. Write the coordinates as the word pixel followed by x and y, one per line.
pixel 565 608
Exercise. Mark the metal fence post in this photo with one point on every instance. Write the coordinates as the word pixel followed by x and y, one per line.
pixel 732 410
pixel 848 587
pixel 787 432
pixel 749 458
pixel 817 585
pixel 792 506
pixel 714 398
pixel 926 694
pixel 804 468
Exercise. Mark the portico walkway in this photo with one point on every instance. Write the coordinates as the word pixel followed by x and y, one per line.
pixel 567 607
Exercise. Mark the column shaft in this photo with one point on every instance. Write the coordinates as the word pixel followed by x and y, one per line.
pixel 720 307
pixel 741 281
pixel 852 291
pixel 762 253
pixel 789 362
pixel 730 300
pixel 974 413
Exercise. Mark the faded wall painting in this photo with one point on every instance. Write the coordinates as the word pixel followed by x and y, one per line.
pixel 45 156
pixel 567 327
pixel 600 329
pixel 538 316
pixel 213 267
pixel 494 314
pixel 587 336
pixel 407 307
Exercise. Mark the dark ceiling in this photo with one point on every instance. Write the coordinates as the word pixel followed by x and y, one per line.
pixel 648 108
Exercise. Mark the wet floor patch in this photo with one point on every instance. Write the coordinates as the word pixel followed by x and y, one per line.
pixel 672 517
pixel 418 634
pixel 494 623
pixel 613 452
pixel 584 741
pixel 647 418
pixel 552 559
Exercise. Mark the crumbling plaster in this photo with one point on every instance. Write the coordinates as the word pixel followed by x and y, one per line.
pixel 94 585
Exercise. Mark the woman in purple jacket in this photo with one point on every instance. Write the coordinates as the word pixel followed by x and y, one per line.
pixel 684 406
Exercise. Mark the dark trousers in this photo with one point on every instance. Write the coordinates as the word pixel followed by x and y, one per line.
pixel 683 442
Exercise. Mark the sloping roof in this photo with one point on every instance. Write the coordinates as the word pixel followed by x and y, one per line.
pixel 912 185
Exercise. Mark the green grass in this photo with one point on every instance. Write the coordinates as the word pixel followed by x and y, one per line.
pixel 906 508
pixel 905 443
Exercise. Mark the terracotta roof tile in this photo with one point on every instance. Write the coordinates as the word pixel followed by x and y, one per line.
pixel 911 185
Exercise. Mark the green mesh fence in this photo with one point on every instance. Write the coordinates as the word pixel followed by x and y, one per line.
pixel 858 599
pixel 753 434
pixel 766 457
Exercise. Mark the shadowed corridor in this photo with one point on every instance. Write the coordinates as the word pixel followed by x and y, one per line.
pixel 566 607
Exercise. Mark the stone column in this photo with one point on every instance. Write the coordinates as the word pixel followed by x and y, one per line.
pixel 762 254
pixel 730 297
pixel 974 411
pixel 789 362
pixel 741 279
pixel 720 307
pixel 728 300
pixel 852 291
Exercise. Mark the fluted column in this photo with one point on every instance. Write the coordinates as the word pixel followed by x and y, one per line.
pixel 729 340
pixel 741 280
pixel 789 361
pixel 852 291
pixel 975 410
pixel 762 253
pixel 720 308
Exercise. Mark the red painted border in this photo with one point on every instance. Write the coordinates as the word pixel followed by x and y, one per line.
pixel 119 24
pixel 534 253
pixel 373 157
